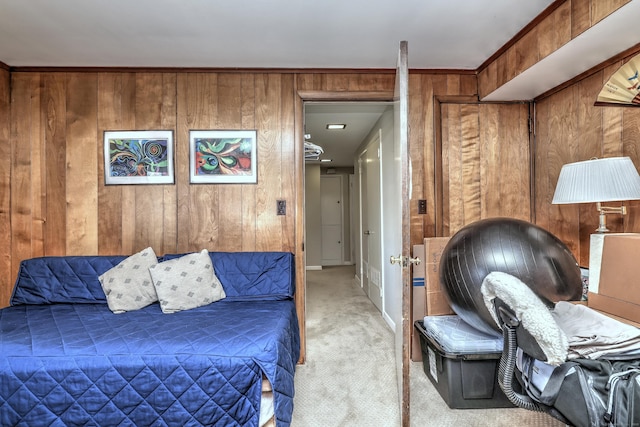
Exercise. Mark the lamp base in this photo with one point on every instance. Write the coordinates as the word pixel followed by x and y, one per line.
pixel 603 211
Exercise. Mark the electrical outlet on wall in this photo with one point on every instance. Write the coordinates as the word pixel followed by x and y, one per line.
pixel 281 207
pixel 422 207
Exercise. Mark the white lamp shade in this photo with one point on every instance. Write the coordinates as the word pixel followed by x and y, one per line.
pixel 599 180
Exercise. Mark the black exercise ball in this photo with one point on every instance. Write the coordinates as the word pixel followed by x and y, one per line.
pixel 519 248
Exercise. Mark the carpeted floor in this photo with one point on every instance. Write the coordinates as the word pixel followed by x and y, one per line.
pixel 349 377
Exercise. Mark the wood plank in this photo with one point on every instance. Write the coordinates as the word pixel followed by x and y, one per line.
pixel 470 190
pixel 6 279
pixel 230 117
pixel 168 121
pixel 491 173
pixel 452 208
pixel 309 82
pixel 417 155
pixel 564 220
pixel 22 87
pixel 291 152
pixel 81 164
pixel 38 172
pixel 611 119
pixel 541 185
pixel 468 85
pixel 248 213
pixel 336 82
pixel 268 115
pixel 204 198
pixel 185 121
pixel 600 9
pixel 553 31
pixel 488 79
pixel 590 145
pixel 148 212
pixel 514 186
pixel 502 69
pixel 116 106
pixel 55 136
pixel 525 51
pixel 580 17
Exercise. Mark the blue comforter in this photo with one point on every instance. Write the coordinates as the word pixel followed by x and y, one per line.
pixel 80 364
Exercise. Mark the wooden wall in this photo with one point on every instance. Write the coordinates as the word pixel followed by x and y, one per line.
pixel 5 189
pixel 424 92
pixel 570 19
pixel 485 163
pixel 59 202
pixel 569 128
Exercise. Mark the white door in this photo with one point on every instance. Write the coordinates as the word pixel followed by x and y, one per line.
pixel 364 222
pixel 372 212
pixel 331 214
pixel 396 221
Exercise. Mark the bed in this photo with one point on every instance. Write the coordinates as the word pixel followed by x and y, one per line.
pixel 67 359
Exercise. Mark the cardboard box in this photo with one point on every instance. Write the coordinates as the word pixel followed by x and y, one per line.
pixel 614 290
pixel 436 300
pixel 419 302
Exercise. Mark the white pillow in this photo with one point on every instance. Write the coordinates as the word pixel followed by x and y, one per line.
pixel 128 285
pixel 186 282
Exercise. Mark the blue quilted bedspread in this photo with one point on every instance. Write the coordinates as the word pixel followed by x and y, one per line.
pixel 79 364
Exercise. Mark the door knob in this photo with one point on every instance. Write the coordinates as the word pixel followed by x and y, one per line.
pixel 396 259
pixel 403 260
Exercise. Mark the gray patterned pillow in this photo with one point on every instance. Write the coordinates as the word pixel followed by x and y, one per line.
pixel 186 282
pixel 128 285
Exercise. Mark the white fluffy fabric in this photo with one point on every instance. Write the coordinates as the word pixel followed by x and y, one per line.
pixel 534 315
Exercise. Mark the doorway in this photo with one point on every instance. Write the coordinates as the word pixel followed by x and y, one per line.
pixel 396 216
pixel 339 167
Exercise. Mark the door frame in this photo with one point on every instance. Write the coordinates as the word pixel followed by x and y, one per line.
pixel 300 98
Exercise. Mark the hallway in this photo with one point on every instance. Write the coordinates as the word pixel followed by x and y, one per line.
pixel 349 377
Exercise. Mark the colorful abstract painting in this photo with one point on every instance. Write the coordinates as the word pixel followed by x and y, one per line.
pixel 219 156
pixel 138 157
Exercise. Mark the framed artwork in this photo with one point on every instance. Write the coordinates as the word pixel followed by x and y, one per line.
pixel 222 156
pixel 138 157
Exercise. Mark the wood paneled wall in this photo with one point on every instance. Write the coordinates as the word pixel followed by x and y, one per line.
pixel 565 23
pixel 59 202
pixel 5 188
pixel 424 89
pixel 569 128
pixel 485 163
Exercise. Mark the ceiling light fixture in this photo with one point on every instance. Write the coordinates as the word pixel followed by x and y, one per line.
pixel 336 126
pixel 326 160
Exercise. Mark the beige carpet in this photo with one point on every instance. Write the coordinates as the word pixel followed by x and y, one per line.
pixel 349 378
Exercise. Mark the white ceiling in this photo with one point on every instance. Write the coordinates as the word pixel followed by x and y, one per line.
pixel 458 34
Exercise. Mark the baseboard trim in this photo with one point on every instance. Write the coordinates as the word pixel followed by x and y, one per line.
pixel 389 321
pixel 314 267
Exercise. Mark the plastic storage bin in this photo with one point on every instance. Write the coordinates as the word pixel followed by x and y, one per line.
pixel 461 362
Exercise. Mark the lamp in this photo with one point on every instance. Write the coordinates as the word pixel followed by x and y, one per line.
pixel 599 180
